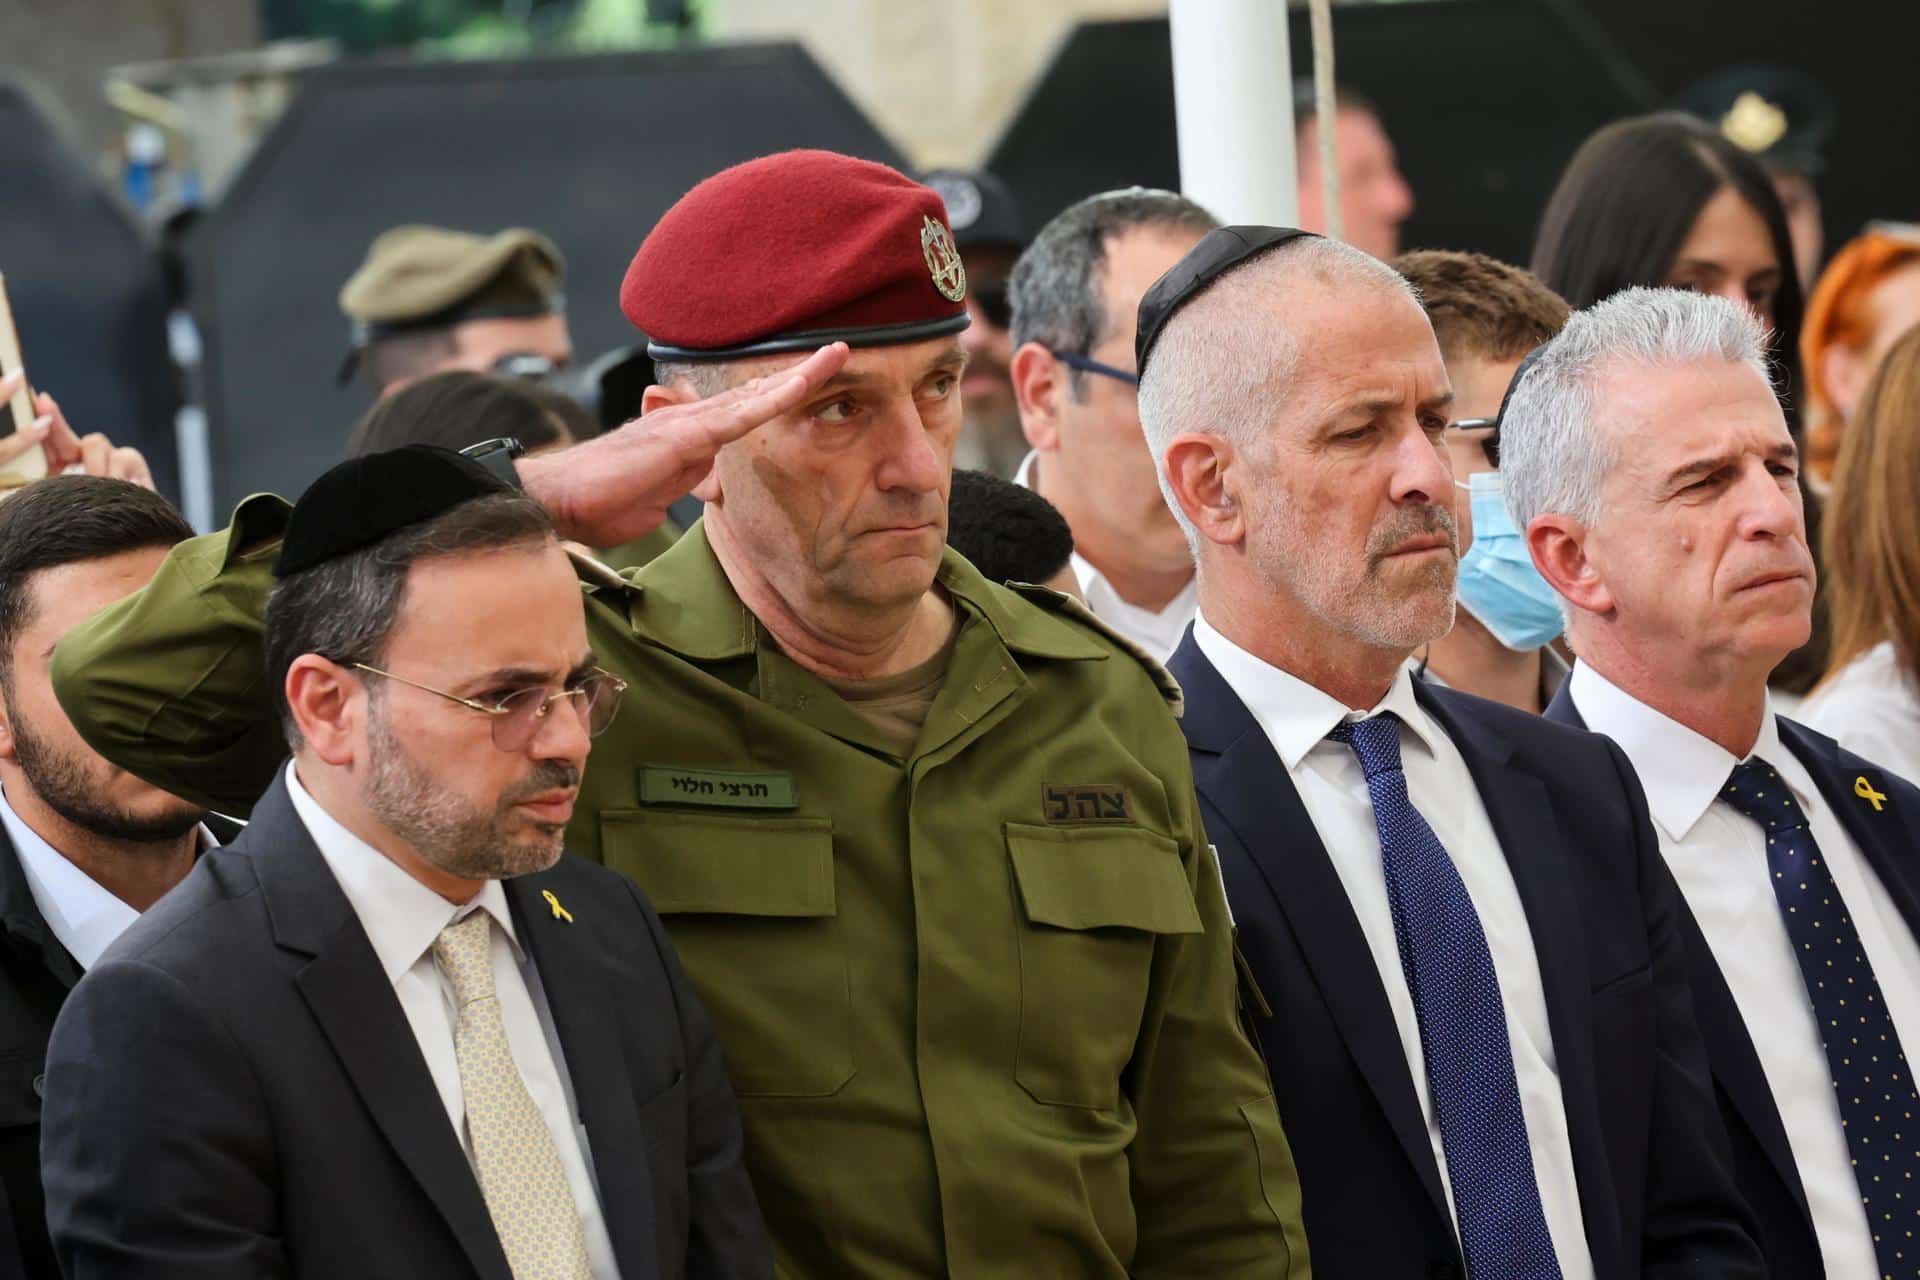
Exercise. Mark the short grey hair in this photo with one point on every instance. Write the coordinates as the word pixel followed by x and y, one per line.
pixel 1057 286
pixel 705 377
pixel 1552 457
pixel 1227 356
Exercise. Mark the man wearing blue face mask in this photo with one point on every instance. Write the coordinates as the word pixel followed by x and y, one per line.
pixel 1487 316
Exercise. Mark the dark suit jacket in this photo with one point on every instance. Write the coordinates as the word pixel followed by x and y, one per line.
pixel 1889 838
pixel 234 1090
pixel 1649 1153
pixel 35 975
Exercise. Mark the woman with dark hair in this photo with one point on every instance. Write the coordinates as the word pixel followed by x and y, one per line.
pixel 459 408
pixel 1666 200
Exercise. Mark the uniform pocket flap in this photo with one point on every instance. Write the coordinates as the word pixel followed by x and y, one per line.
pixel 1102 877
pixel 689 863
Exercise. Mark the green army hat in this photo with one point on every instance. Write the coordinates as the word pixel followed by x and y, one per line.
pixel 422 277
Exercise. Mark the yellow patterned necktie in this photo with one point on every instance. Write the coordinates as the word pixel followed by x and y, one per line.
pixel 519 1168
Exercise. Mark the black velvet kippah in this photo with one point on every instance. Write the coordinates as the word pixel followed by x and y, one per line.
pixel 364 499
pixel 1219 251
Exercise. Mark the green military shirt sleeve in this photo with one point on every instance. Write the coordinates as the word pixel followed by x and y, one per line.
pixel 1214 1185
pixel 170 683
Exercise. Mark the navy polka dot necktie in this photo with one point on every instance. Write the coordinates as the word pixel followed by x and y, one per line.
pixel 1463 1026
pixel 1878 1104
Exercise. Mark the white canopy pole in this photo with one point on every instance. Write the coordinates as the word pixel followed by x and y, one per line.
pixel 1324 109
pixel 1233 103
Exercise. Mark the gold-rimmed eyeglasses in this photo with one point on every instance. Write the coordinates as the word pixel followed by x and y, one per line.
pixel 517 715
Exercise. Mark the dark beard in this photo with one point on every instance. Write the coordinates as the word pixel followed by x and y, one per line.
pixel 64 788
pixel 443 827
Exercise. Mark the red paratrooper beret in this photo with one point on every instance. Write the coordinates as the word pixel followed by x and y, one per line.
pixel 793 251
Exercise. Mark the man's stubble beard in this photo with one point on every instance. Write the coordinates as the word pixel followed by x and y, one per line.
pixel 63 786
pixel 1405 617
pixel 447 830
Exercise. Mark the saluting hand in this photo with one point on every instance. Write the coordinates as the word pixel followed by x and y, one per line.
pixel 616 487
pixel 92 454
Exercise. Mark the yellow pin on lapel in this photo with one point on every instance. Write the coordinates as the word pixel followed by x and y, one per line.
pixel 559 912
pixel 1864 789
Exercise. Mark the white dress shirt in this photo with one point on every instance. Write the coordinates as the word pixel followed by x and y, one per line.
pixel 1297 718
pixel 402 917
pixel 1719 857
pixel 84 915
pixel 1158 631
pixel 1872 708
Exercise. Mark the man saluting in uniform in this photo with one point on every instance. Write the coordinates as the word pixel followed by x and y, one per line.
pixel 928 847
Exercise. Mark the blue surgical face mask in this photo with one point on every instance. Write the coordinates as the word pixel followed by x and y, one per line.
pixel 1498 583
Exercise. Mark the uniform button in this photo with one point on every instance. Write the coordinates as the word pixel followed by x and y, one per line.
pixel 40 1085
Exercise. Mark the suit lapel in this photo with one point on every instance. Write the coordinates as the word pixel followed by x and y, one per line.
pixel 356 1008
pixel 577 977
pixel 1736 1066
pixel 1523 821
pixel 20 916
pixel 1236 769
pixel 1885 836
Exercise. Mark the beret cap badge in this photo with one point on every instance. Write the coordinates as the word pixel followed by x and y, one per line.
pixel 943 260
pixel 1753 124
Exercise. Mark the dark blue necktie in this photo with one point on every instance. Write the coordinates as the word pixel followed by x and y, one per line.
pixel 1878 1104
pixel 1463 1026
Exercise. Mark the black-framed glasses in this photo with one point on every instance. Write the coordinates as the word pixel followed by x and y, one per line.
pixel 994 301
pixel 517 716
pixel 1483 432
pixel 1086 364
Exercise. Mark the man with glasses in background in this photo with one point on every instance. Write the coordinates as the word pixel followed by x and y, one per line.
pixel 391 1029
pixel 1076 292
pixel 1487 315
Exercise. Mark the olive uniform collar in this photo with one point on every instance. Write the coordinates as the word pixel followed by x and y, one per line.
pixel 683 601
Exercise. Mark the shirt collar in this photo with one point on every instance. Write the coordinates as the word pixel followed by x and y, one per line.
pixel 1681 771
pixel 1295 715
pixel 401 916
pixel 1024 476
pixel 83 915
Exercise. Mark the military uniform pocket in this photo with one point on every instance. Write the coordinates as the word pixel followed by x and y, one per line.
pixel 1094 900
pixel 749 904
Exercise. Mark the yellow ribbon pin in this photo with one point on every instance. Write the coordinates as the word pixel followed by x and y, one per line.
pixel 561 913
pixel 1864 789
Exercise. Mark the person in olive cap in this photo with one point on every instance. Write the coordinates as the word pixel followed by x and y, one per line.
pixel 1785 119
pixel 927 845
pixel 990 233
pixel 429 299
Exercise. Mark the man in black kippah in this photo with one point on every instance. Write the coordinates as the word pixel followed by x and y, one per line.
pixel 1011 533
pixel 1482 1041
pixel 392 1029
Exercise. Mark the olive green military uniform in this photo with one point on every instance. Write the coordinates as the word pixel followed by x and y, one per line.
pixel 978 1003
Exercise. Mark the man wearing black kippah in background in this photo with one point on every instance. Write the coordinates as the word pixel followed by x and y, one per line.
pixel 927 845
pixel 1011 533
pixel 391 1031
